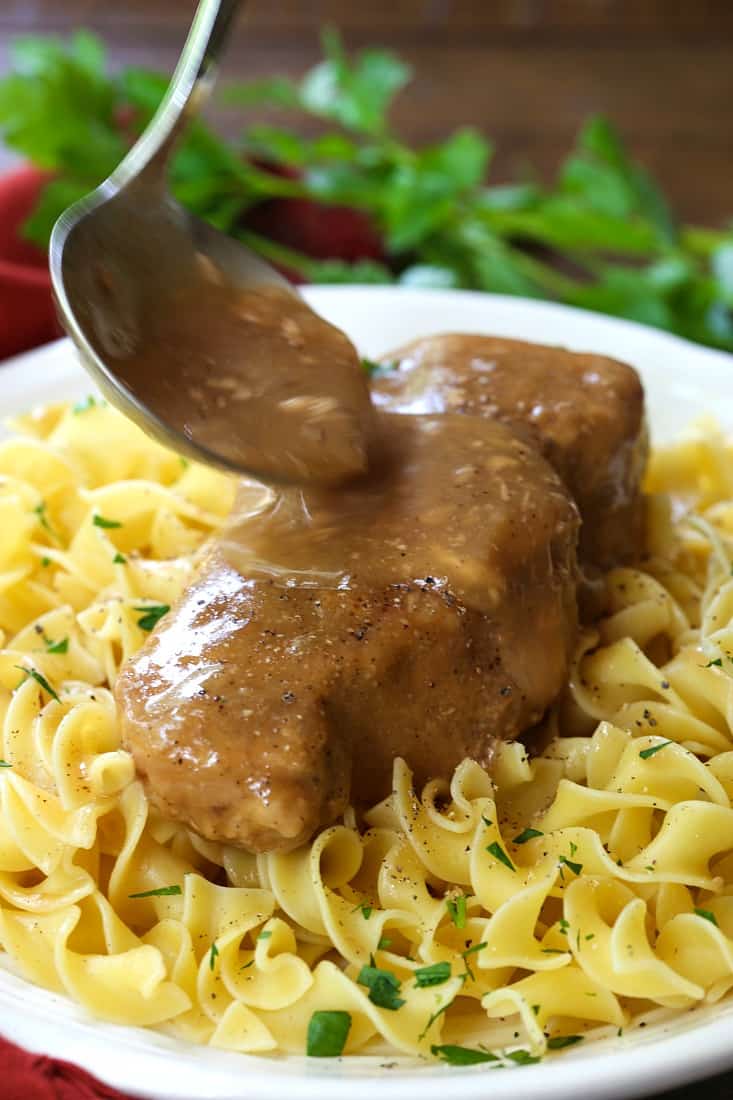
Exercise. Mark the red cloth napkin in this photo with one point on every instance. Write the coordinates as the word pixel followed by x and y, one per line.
pixel 26 1076
pixel 27 315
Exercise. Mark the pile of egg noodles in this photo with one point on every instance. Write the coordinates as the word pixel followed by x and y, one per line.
pixel 573 894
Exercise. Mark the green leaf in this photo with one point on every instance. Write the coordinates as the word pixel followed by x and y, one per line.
pixel 526 835
pixel 370 366
pixel 213 954
pixel 33 674
pixel 107 524
pixel 119 559
pixel 357 94
pixel 495 849
pixel 4 764
pixel 568 225
pixel 576 868
pixel 383 986
pixel 459 163
pixel 707 914
pixel 508 197
pixel 654 749
pixel 722 265
pixel 277 144
pixel 61 646
pixel 523 1058
pixel 55 197
pixel 327 1034
pixel 57 108
pixel 271 91
pixel 152 614
pixel 366 909
pixel 559 1042
pixel 435 974
pixel 40 511
pixel 159 892
pixel 89 402
pixel 457 910
pixel 600 144
pixel 465 955
pixel 462 1056
pixel 435 1016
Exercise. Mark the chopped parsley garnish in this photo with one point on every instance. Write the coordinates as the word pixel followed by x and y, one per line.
pixel 646 753
pixel 160 892
pixel 495 849
pixel 4 764
pixel 264 935
pixel 536 1009
pixel 718 663
pixel 61 646
pixel 465 954
pixel 327 1034
pixel 45 562
pixel 573 848
pixel 486 821
pixel 383 986
pixel 102 521
pixel 247 965
pixel 184 462
pixel 33 674
pixel 439 1012
pixel 706 914
pixel 89 402
pixel 590 936
pixel 384 943
pixel 559 1042
pixel 213 955
pixel 40 511
pixel 552 951
pixel 462 1056
pixel 457 910
pixel 523 1058
pixel 435 974
pixel 366 909
pixel 119 559
pixel 371 367
pixel 576 867
pixel 152 615
pixel 525 835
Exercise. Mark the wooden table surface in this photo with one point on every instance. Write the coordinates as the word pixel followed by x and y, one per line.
pixel 526 72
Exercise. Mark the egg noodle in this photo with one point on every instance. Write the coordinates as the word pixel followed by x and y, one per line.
pixel 576 893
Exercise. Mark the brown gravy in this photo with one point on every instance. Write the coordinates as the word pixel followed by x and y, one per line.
pixel 271 386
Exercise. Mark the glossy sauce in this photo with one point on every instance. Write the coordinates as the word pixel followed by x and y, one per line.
pixel 253 375
pixel 424 611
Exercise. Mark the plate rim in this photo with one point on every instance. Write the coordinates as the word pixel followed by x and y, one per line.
pixel 118 1054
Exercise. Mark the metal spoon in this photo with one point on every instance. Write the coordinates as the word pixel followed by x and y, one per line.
pixel 190 334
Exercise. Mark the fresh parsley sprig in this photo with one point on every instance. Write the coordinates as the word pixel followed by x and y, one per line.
pixel 602 236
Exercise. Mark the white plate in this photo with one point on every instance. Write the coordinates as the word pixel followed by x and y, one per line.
pixel 681 381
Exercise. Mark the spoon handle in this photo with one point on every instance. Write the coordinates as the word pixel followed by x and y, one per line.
pixel 192 81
